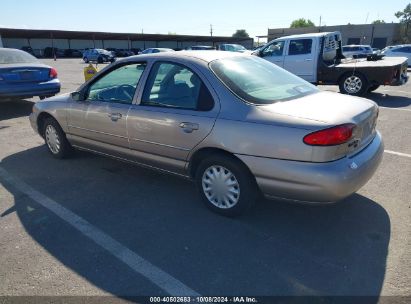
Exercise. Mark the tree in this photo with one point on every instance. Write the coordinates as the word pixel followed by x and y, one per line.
pixel 405 18
pixel 241 34
pixel 301 23
pixel 378 21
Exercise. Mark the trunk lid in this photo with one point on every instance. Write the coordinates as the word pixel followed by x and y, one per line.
pixel 328 109
pixel 20 73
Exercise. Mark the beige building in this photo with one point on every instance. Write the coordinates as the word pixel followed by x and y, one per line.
pixel 376 35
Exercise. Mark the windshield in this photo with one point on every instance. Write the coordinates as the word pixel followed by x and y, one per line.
pixel 238 47
pixel 258 81
pixel 9 56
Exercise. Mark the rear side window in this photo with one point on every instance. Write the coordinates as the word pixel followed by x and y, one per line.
pixel 176 86
pixel 300 47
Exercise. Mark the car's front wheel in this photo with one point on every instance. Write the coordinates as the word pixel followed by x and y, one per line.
pixel 85 59
pixel 225 185
pixel 55 139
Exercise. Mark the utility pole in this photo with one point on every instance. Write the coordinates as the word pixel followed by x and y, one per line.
pixel 211 30
pixel 320 21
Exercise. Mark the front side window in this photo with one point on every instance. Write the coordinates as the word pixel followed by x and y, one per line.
pixel 300 46
pixel 258 81
pixel 118 85
pixel 175 86
pixel 274 49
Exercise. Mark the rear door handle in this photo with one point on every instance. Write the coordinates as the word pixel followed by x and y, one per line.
pixel 189 127
pixel 308 59
pixel 115 116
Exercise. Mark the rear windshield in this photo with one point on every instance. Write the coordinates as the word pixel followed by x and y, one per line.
pixel 8 56
pixel 258 81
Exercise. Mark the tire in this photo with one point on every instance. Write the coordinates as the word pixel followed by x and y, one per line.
pixel 353 84
pixel 100 60
pixel 55 139
pixel 373 88
pixel 242 187
pixel 85 59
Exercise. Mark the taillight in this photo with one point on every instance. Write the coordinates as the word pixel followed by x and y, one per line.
pixel 53 73
pixel 330 137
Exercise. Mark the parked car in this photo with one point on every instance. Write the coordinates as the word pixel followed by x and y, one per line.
pixel 232 48
pixel 357 51
pixel 98 55
pixel 200 47
pixel 73 53
pixel 23 76
pixel 121 52
pixel 235 124
pixel 398 51
pixel 156 50
pixel 28 49
pixel 50 52
pixel 317 58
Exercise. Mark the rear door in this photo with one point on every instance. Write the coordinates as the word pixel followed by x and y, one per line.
pixel 300 58
pixel 176 112
pixel 274 52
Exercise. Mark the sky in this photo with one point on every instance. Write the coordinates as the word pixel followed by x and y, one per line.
pixel 190 17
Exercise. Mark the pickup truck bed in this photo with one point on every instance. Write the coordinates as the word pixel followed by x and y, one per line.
pixel 386 71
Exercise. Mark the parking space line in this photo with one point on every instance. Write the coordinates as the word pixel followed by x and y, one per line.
pixel 151 272
pixel 397 153
pixel 395 109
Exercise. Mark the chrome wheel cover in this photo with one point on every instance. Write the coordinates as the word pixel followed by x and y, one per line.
pixel 353 84
pixel 221 187
pixel 52 139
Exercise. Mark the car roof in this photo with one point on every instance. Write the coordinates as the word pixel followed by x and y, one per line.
pixel 308 35
pixel 357 45
pixel 203 55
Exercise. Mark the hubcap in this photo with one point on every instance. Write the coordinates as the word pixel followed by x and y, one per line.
pixel 221 187
pixel 52 139
pixel 353 84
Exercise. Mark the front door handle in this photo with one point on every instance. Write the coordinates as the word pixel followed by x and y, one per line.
pixel 115 116
pixel 308 59
pixel 189 127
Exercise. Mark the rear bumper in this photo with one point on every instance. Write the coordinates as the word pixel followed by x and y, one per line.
pixel 27 90
pixel 316 182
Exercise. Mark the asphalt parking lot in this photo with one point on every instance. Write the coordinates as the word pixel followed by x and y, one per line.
pixel 90 225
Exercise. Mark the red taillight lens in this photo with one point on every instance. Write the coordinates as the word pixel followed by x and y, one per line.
pixel 53 73
pixel 330 137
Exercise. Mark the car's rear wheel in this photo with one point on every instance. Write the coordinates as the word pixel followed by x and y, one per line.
pixel 373 88
pixel 225 185
pixel 55 139
pixel 100 59
pixel 353 84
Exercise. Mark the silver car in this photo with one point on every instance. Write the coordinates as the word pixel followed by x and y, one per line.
pixel 235 124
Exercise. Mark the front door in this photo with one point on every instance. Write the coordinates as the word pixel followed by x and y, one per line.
pixel 100 120
pixel 301 58
pixel 274 53
pixel 176 112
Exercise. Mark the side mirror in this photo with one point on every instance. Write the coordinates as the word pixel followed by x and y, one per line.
pixel 77 96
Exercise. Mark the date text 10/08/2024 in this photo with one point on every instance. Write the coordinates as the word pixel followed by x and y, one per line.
pixel 203 300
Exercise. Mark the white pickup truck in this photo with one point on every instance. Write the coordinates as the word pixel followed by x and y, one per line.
pixel 318 58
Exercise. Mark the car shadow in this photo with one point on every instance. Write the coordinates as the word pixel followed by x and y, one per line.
pixel 15 108
pixel 389 101
pixel 275 249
